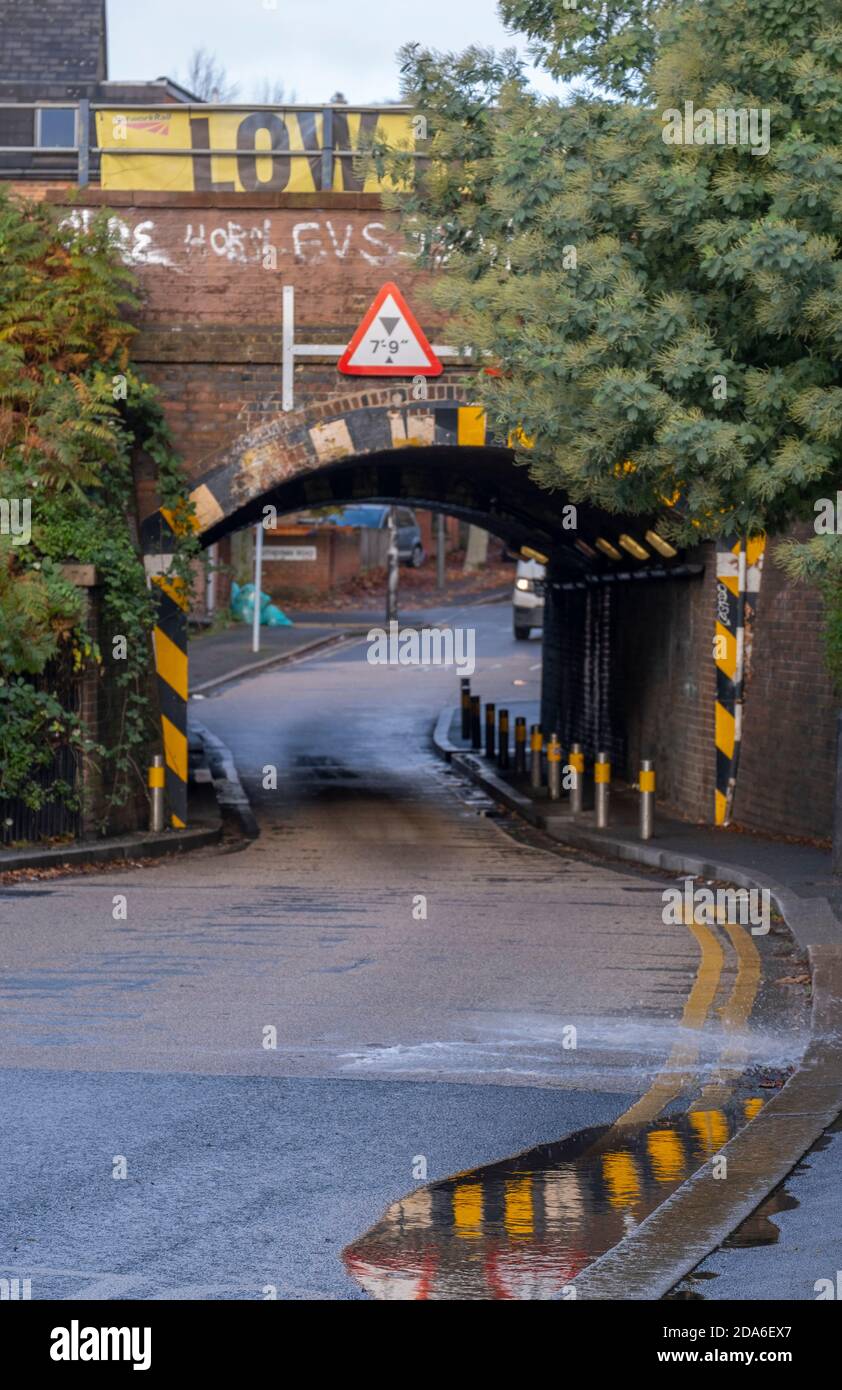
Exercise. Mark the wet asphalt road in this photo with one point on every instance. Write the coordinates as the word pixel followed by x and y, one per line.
pixel 397 1036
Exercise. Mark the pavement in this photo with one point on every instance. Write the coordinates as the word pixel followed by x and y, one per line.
pixel 790 1246
pixel 798 875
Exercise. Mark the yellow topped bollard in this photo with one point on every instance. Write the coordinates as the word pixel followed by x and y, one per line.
pixel 554 767
pixel 577 767
pixel 536 745
pixel 157 783
pixel 503 739
pixel 466 708
pixel 602 786
pixel 647 798
pixel 520 744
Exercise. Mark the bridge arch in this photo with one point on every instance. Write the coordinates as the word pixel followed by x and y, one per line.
pixel 375 445
pixel 382 445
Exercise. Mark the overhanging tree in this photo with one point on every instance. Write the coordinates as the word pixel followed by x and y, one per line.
pixel 667 318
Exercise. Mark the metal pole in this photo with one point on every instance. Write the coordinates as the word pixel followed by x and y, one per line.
pixel 440 550
pixel 476 724
pixel 466 707
pixel 602 785
pixel 577 765
pixel 536 743
pixel 258 577
pixel 520 745
pixel 503 739
pixel 83 136
pixel 489 731
pixel 210 590
pixel 392 580
pixel 554 767
pixel 287 347
pixel 327 149
pixel 157 783
pixel 647 798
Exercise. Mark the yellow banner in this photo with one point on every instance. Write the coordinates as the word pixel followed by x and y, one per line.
pixel 271 151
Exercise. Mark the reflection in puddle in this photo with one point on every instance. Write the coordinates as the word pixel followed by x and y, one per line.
pixel 523 1228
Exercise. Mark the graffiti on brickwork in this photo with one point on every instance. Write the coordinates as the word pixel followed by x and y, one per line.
pixel 136 243
pixel 308 243
pixel 256 242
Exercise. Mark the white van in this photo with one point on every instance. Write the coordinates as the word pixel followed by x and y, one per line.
pixel 528 605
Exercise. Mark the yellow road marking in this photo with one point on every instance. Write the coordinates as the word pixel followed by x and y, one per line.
pixel 676 1073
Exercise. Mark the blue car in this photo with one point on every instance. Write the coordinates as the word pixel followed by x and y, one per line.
pixel 375 516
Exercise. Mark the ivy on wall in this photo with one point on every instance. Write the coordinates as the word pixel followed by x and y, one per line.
pixel 73 412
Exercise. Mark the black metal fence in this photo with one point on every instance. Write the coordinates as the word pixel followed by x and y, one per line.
pixel 19 822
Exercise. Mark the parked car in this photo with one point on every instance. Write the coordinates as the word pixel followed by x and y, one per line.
pixel 527 599
pixel 376 516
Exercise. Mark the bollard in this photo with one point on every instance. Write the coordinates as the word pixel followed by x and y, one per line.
pixel 577 767
pixel 503 739
pixel 536 744
pixel 157 782
pixel 520 744
pixel 554 767
pixel 476 725
pixel 489 731
pixel 602 785
pixel 647 798
pixel 466 708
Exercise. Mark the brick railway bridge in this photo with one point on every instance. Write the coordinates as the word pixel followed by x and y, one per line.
pixel 218 209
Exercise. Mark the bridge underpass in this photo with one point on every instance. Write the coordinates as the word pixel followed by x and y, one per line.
pixel 439 459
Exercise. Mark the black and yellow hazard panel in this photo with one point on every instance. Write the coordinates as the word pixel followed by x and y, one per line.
pixel 159 534
pixel 725 655
pixel 738 569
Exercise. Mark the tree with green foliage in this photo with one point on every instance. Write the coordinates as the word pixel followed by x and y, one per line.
pixel 72 411
pixel 666 317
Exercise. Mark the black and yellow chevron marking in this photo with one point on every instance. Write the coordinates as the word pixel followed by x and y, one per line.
pixel 738 570
pixel 170 639
pixel 725 655
pixel 170 642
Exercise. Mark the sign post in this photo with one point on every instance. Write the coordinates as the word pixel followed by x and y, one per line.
pixel 258 575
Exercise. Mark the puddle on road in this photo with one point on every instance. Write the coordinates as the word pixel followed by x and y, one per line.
pixel 524 1227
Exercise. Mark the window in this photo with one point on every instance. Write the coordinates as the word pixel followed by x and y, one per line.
pixel 57 127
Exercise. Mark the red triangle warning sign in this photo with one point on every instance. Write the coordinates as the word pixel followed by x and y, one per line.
pixel 389 341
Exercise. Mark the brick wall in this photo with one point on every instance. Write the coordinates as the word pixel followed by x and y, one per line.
pixel 786 777
pixel 666 688
pixel 665 684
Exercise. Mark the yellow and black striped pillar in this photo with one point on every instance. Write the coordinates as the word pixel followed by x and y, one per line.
pixel 171 665
pixel 738 569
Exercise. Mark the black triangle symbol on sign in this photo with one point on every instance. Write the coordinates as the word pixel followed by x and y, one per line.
pixel 389 323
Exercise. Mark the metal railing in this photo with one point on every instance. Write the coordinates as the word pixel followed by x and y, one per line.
pixel 327 144
pixel 19 822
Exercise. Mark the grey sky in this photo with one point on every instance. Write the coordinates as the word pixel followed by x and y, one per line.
pixel 314 47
